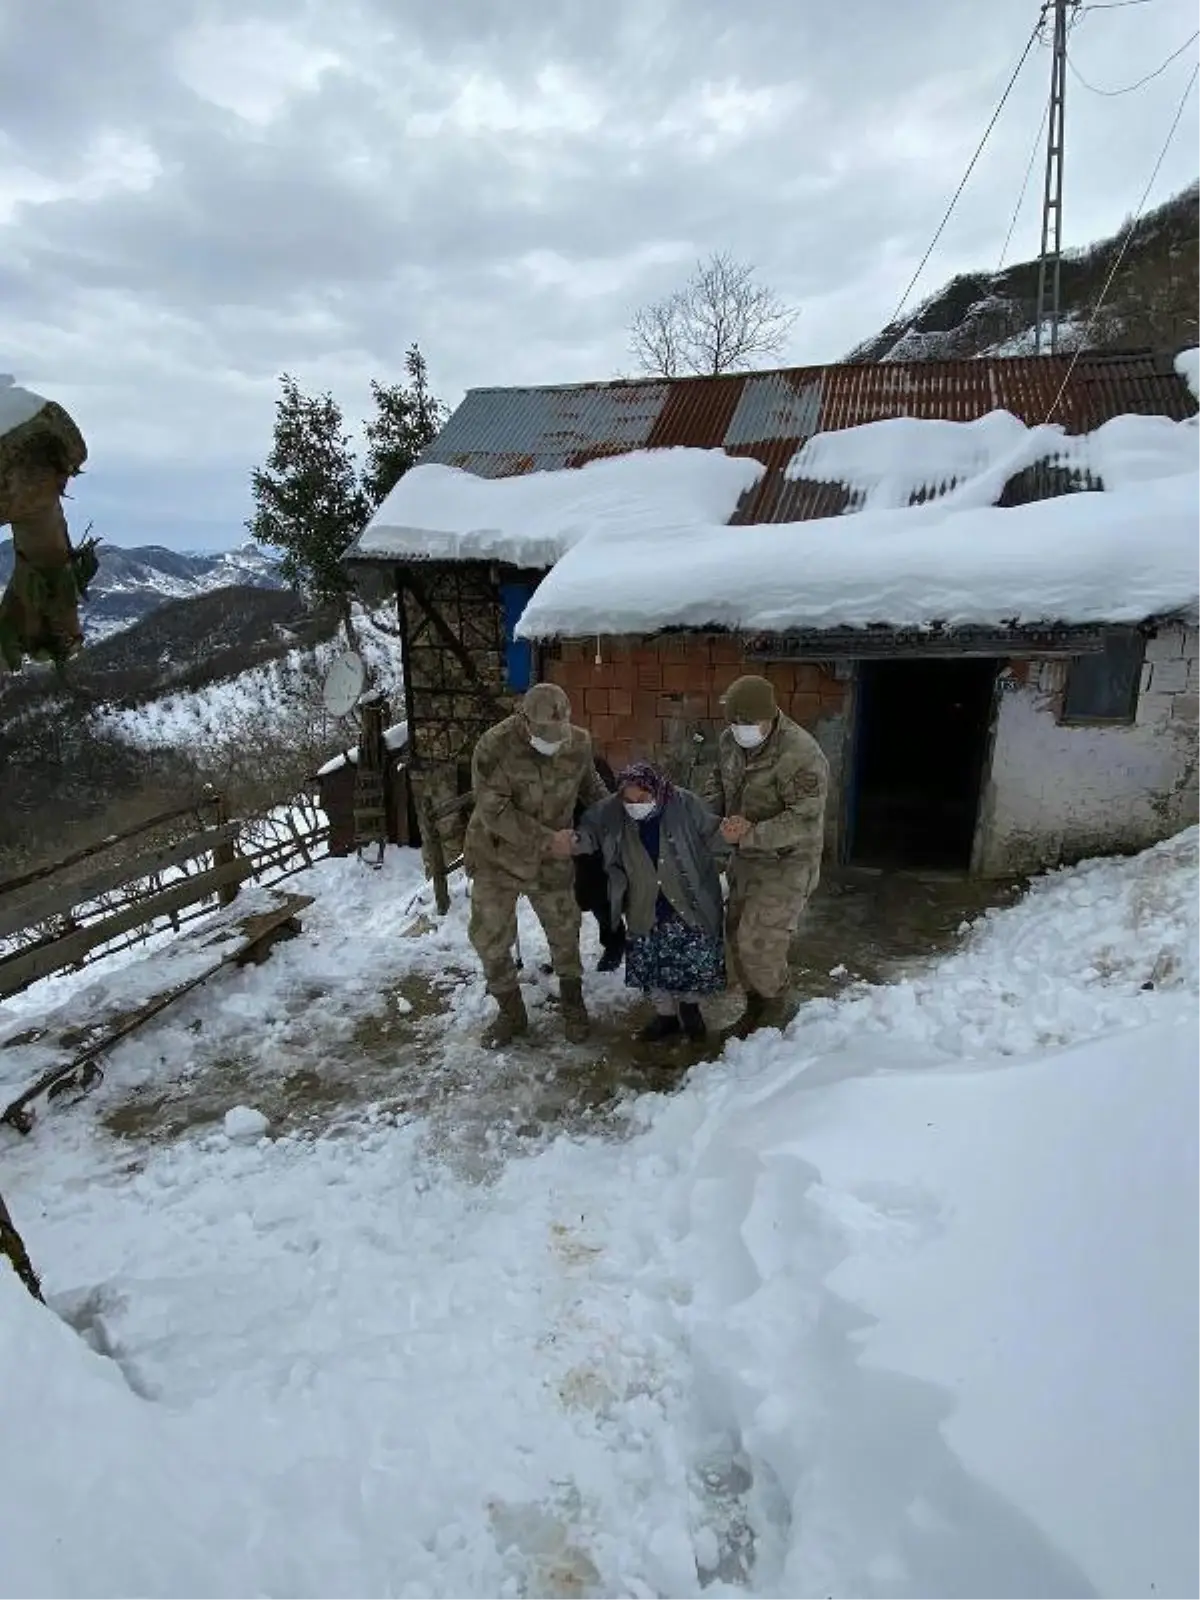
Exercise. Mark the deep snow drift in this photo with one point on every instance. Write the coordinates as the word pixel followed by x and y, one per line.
pixel 902 1303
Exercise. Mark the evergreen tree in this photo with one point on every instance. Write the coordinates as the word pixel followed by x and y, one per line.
pixel 307 500
pixel 407 417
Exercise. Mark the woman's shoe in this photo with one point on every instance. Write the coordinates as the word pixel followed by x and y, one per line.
pixel 659 1028
pixel 612 958
pixel 691 1020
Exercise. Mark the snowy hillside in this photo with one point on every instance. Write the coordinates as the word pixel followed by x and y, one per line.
pixel 1152 300
pixel 901 1303
pixel 132 582
pixel 276 690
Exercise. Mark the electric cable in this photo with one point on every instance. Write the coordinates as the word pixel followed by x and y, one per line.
pixel 1112 94
pixel 1134 220
pixel 970 168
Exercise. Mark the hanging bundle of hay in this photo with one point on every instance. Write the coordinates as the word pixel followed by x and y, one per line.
pixel 41 450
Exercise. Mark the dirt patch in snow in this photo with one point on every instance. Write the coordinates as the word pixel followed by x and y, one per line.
pixel 411 1055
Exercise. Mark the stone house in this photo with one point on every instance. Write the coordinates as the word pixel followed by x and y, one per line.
pixel 997 747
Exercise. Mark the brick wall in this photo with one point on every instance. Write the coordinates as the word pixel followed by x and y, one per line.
pixel 660 697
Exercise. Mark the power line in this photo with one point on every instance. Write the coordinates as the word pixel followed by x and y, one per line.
pixel 1116 266
pixel 1115 5
pixel 1150 76
pixel 970 168
pixel 1037 144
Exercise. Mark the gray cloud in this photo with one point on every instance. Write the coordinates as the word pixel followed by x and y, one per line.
pixel 196 197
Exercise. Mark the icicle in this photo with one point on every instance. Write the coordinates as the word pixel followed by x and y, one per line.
pixel 599 658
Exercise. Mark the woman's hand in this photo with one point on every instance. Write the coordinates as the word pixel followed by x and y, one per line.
pixel 735 829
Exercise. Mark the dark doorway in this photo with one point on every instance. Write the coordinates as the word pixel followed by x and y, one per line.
pixel 920 744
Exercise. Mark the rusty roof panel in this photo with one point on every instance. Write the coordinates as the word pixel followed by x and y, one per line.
pixel 769 415
pixel 697 413
pixel 956 391
pixel 776 405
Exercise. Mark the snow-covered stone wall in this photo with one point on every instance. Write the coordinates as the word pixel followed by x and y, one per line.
pixel 1057 792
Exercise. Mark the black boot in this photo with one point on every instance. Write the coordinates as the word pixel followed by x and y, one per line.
pixel 691 1019
pixel 614 950
pixel 664 1026
pixel 576 1022
pixel 751 1018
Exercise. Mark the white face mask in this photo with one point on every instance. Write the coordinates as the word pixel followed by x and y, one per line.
pixel 748 734
pixel 638 810
pixel 546 747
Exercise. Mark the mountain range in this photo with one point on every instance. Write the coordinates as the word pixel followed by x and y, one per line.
pixel 133 582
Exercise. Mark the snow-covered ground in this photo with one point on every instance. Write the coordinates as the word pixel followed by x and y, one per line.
pixel 901 1303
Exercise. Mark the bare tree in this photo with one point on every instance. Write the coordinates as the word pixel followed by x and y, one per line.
pixel 720 321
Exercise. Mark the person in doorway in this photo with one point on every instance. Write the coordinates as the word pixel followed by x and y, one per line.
pixel 658 844
pixel 770 786
pixel 528 774
pixel 591 889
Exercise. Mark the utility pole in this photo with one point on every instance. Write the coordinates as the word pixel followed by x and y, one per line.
pixel 1049 299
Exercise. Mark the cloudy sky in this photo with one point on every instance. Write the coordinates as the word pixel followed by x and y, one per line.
pixel 197 195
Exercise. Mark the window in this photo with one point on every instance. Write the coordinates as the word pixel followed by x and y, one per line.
pixel 1104 687
pixel 518 653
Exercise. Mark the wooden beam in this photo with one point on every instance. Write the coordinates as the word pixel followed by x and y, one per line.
pixel 57 902
pixel 194 809
pixel 456 648
pixel 25 967
pixel 256 929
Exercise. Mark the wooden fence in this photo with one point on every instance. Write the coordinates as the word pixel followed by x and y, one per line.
pixel 72 913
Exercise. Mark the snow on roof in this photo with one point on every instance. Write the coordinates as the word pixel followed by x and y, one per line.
pixel 1187 365
pixel 16 405
pixel 1120 555
pixel 394 738
pixel 444 513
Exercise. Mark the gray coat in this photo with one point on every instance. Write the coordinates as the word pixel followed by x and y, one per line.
pixel 690 831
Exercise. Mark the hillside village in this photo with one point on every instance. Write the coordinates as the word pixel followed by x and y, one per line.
pixel 351 1242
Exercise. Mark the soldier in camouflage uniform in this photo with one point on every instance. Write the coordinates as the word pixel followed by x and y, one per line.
pixel 528 774
pixel 770 785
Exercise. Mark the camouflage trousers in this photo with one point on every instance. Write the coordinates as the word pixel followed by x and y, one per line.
pixel 766 901
pixel 493 925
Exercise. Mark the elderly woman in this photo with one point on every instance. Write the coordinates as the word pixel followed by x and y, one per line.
pixel 658 846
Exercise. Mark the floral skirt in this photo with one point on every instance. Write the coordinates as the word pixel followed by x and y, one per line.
pixel 675 959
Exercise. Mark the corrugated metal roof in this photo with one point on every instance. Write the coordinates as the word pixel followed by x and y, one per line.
pixel 769 415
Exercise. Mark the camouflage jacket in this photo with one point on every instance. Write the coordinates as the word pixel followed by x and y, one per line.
pixel 521 797
pixel 781 788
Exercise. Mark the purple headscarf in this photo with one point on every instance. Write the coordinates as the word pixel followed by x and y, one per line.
pixel 643 776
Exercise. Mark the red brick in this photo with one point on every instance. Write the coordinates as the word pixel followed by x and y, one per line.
pixel 602 728
pixel 595 701
pixel 624 676
pixel 620 702
pixel 676 677
pixel 725 650
pixel 648 676
pixel 618 753
pixel 805 709
pixel 782 674
pixel 808 677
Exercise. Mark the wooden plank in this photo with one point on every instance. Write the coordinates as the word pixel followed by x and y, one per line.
pixel 9 885
pixel 241 936
pixel 58 901
pixel 20 970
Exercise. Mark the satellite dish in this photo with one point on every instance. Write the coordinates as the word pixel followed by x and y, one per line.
pixel 344 682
